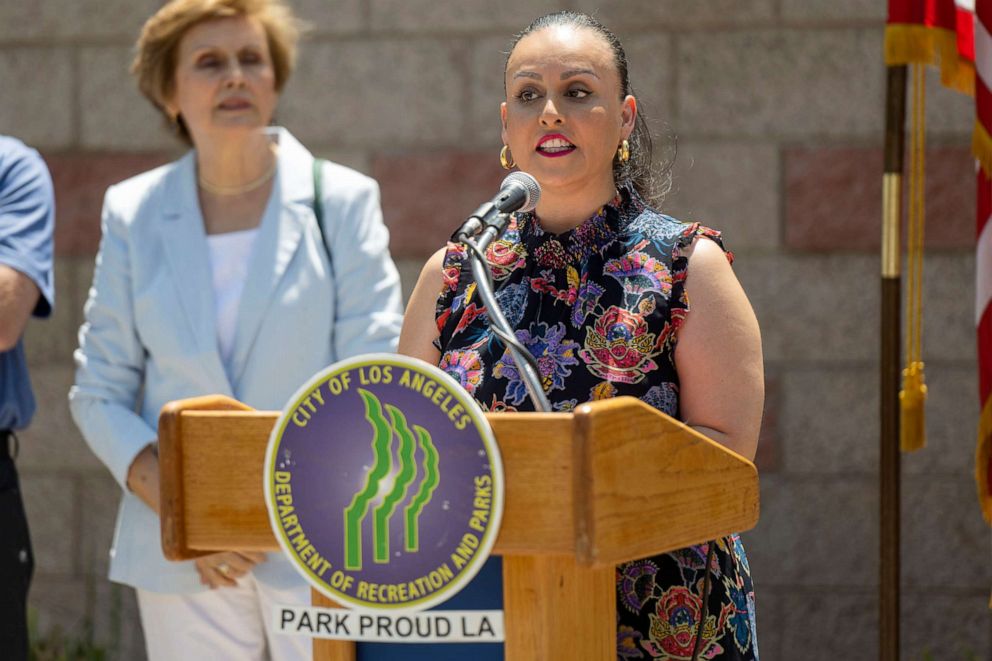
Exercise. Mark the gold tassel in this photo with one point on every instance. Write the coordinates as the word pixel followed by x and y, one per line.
pixel 913 397
pixel 912 409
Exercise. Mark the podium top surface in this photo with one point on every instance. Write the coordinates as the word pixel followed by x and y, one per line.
pixel 614 481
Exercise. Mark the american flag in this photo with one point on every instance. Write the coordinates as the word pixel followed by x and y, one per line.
pixel 954 35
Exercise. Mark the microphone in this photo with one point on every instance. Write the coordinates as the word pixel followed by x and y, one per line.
pixel 518 192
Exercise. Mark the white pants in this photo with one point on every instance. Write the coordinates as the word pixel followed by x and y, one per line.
pixel 226 623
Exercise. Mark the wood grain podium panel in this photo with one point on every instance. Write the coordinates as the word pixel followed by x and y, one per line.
pixel 330 650
pixel 221 481
pixel 635 470
pixel 555 608
pixel 615 481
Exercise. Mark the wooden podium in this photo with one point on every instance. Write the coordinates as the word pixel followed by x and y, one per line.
pixel 614 481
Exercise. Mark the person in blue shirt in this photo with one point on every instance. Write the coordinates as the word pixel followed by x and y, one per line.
pixel 27 216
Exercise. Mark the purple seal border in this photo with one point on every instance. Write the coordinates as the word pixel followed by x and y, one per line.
pixel 479 423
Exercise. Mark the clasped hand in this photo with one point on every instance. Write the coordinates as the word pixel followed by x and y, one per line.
pixel 223 569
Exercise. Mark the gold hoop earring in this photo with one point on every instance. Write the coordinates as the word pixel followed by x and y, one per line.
pixel 623 152
pixel 506 158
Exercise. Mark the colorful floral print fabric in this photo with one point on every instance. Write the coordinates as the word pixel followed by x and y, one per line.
pixel 600 308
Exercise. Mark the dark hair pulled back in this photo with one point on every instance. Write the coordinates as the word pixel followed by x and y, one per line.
pixel 638 171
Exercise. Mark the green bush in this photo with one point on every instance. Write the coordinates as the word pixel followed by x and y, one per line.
pixel 57 645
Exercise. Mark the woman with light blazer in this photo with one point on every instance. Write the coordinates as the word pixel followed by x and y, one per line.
pixel 214 276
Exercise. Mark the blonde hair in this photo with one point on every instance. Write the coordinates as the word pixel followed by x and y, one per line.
pixel 154 63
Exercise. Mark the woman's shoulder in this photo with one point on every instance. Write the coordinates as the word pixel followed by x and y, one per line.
pixel 341 181
pixel 646 222
pixel 126 197
pixel 152 178
pixel 646 226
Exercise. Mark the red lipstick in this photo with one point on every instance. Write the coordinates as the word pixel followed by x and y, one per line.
pixel 554 145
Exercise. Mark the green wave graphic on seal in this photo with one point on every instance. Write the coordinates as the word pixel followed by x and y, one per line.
pixel 358 509
pixel 427 487
pixel 408 471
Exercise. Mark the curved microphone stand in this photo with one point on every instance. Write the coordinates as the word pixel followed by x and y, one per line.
pixel 523 358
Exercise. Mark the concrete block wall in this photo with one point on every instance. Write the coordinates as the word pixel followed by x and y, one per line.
pixel 778 109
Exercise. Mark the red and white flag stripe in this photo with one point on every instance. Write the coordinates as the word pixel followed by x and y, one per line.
pixel 982 53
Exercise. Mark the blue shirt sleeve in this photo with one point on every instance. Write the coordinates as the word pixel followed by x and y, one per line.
pixel 27 218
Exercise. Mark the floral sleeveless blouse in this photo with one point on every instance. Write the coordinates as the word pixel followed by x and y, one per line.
pixel 600 308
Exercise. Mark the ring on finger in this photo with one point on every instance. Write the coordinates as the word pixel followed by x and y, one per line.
pixel 224 568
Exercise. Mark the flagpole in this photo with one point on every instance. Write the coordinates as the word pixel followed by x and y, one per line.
pixel 889 456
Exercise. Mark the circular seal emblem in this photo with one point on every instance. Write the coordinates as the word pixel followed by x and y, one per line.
pixel 384 484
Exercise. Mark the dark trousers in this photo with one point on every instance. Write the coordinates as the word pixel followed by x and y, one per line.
pixel 16 558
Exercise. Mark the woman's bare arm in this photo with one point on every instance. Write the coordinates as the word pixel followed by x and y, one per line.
pixel 718 355
pixel 419 327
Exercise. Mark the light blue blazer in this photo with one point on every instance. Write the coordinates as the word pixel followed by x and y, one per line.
pixel 149 335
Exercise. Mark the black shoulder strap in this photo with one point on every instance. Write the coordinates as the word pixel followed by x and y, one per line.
pixel 318 201
pixel 318 193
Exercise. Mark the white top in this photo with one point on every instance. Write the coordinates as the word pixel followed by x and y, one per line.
pixel 229 256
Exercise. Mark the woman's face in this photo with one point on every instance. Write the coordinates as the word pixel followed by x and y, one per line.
pixel 563 117
pixel 225 82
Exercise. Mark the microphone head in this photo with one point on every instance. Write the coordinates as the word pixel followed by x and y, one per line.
pixel 528 184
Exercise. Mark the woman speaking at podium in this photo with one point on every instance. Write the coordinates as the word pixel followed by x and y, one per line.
pixel 240 269
pixel 612 298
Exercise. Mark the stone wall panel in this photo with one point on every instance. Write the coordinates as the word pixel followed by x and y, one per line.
pixel 745 83
pixel 485 82
pixel 941 517
pixel 39 114
pixel 732 187
pixel 108 20
pixel 768 456
pixel 338 17
pixel 815 531
pixel 114 114
pixel 101 496
pixel 948 306
pixel 453 17
pixel 769 617
pixel 830 421
pixel 419 222
pixel 30 20
pixel 834 11
pixel 950 626
pixel 833 198
pixel 409 269
pixel 52 442
pixel 375 93
pixel 652 77
pixel 50 501
pixel 678 13
pixel 50 342
pixel 813 308
pixel 826 625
